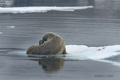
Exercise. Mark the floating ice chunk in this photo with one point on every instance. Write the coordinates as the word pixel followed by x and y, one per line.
pixel 40 9
pixel 82 51
pixel 21 53
pixel 11 27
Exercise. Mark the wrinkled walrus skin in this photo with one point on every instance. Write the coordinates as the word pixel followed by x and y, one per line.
pixel 50 44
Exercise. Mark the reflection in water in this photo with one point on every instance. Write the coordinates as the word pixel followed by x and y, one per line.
pixel 51 64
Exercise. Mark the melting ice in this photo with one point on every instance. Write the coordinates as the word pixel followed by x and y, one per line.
pixel 40 9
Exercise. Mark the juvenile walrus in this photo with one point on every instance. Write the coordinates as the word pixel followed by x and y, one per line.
pixel 50 44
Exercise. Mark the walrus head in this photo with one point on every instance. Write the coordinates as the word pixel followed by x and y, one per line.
pixel 46 37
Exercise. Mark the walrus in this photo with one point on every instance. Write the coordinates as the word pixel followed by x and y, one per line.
pixel 50 44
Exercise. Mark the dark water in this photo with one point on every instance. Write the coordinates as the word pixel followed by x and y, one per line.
pixel 98 26
pixel 21 3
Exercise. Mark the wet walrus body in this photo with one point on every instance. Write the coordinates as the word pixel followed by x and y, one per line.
pixel 50 44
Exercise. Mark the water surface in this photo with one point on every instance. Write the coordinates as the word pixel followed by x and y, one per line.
pixel 97 26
